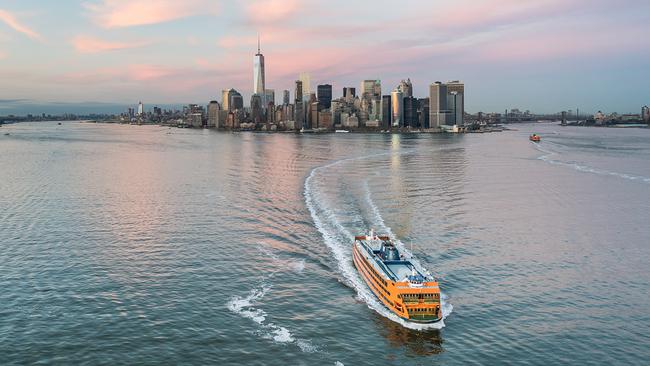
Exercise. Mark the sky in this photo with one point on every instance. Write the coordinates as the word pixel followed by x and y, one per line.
pixel 541 55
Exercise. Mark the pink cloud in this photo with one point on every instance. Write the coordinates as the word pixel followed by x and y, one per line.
pixel 86 44
pixel 127 13
pixel 540 44
pixel 11 20
pixel 270 11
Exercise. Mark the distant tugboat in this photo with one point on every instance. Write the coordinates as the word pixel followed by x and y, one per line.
pixel 406 289
pixel 535 138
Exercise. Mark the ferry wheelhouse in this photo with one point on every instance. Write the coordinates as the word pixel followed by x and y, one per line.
pixel 401 284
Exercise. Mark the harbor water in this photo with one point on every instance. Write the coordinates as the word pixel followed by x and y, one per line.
pixel 148 245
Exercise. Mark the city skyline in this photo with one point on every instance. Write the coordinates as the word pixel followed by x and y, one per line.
pixel 164 52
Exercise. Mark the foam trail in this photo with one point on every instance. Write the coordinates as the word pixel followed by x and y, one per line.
pixel 585 168
pixel 339 240
pixel 246 308
pixel 447 308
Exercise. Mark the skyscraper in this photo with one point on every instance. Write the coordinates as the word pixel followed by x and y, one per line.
pixel 349 94
pixel 437 104
pixel 325 95
pixel 371 89
pixel 386 112
pixel 397 102
pixel 140 109
pixel 455 107
pixel 423 112
pixel 213 114
pixel 406 88
pixel 286 97
pixel 306 84
pixel 225 99
pixel 259 86
pixel 256 108
pixel 299 108
pixel 268 96
pixel 235 101
pixel 458 88
pixel 411 112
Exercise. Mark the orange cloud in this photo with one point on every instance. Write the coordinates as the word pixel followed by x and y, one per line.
pixel 85 44
pixel 127 13
pixel 10 19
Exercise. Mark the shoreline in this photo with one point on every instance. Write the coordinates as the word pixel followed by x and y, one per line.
pixel 341 130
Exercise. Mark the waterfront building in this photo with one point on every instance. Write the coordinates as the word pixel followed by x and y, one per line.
pixel 645 114
pixel 423 112
pixel 259 86
pixel 270 116
pixel 313 114
pixel 213 114
pixel 454 105
pixel 286 97
pixel 375 110
pixel 437 105
pixel 386 111
pixel 397 102
pixel 288 112
pixel 410 112
pixel 371 89
pixel 256 109
pixel 363 117
pixel 299 110
pixel 336 112
pixel 325 120
pixel 406 88
pixel 325 95
pixel 223 118
pixel 195 120
pixel 306 84
pixel 352 121
pixel 458 88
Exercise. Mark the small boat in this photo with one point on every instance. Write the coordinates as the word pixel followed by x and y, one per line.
pixel 400 284
pixel 535 138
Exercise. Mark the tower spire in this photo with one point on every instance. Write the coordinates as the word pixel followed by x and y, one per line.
pixel 258 43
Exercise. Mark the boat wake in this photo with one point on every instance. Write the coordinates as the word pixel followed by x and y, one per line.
pixel 339 240
pixel 548 157
pixel 249 307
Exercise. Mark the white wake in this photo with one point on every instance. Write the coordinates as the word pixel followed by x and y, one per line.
pixel 548 158
pixel 339 240
pixel 249 307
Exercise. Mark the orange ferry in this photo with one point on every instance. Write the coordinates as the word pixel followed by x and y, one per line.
pixel 535 138
pixel 402 285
